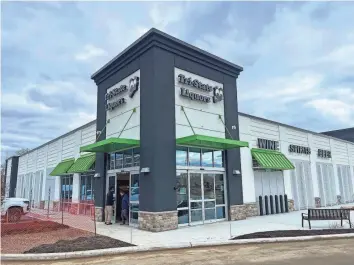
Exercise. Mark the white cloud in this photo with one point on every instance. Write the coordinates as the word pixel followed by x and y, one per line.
pixel 89 52
pixel 162 14
pixel 333 108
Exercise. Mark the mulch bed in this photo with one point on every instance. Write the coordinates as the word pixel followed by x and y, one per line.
pixel 79 244
pixel 294 233
pixel 29 227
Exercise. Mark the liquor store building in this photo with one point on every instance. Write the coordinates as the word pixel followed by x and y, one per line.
pixel 168 131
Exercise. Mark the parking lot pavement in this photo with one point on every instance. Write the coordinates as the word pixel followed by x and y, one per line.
pixel 338 252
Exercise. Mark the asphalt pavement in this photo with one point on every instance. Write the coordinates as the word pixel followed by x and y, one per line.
pixel 336 251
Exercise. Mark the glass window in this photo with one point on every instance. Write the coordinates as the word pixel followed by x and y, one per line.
pixel 134 188
pixel 182 190
pixel 183 216
pixel 194 157
pixel 119 160
pixel 136 157
pixel 220 212
pixel 208 183
pixel 111 163
pixel 128 158
pixel 207 158
pixel 218 159
pixel 195 186
pixel 86 191
pixel 67 187
pixel 181 156
pixel 219 189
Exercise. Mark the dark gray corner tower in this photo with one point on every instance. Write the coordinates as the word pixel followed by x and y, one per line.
pixel 344 134
pixel 156 55
pixel 11 170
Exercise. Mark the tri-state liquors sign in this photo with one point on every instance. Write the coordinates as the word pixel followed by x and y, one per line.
pixel 218 93
pixel 132 87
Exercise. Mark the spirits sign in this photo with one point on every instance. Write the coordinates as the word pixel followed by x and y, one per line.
pixel 132 87
pixel 217 92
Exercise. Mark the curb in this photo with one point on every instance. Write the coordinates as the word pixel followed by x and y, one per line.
pixel 127 250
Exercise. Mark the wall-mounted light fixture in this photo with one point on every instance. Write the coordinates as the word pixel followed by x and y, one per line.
pixel 145 170
pixel 236 172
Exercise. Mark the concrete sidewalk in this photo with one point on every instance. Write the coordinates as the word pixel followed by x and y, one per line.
pixel 216 232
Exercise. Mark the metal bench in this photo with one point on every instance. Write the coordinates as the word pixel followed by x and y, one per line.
pixel 326 214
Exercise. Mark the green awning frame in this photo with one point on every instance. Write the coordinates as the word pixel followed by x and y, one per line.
pixel 62 167
pixel 83 164
pixel 209 142
pixel 270 159
pixel 111 145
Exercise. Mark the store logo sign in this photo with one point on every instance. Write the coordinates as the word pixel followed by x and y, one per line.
pixel 218 92
pixel 132 87
pixel 268 144
pixel 324 153
pixel 299 149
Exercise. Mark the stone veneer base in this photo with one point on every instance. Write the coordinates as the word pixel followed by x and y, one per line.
pixel 291 205
pixel 158 221
pixel 99 214
pixel 242 211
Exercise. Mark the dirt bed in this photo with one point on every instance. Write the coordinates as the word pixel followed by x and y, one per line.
pixel 29 227
pixel 294 233
pixel 20 243
pixel 79 244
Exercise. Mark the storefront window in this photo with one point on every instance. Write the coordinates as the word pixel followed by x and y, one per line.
pixel 111 159
pixel 128 158
pixel 219 189
pixel 207 158
pixel 136 157
pixel 218 159
pixel 119 160
pixel 194 157
pixel 86 191
pixel 199 157
pixel 182 190
pixel 134 199
pixel 67 187
pixel 181 156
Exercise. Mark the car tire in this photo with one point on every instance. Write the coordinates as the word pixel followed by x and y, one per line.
pixel 14 215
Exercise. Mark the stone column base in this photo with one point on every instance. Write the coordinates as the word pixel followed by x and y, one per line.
pixel 99 216
pixel 242 211
pixel 237 212
pixel 158 221
pixel 291 205
pixel 251 209
pixel 339 199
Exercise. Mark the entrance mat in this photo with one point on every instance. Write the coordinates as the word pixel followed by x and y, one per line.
pixel 294 233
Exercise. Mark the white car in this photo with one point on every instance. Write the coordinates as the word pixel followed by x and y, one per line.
pixel 12 209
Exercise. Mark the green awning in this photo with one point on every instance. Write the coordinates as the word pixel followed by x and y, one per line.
pixel 270 159
pixel 62 167
pixel 110 145
pixel 209 142
pixel 83 164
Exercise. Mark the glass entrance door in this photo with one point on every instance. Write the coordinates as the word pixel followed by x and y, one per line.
pixel 134 199
pixel 196 215
pixel 203 202
pixel 209 214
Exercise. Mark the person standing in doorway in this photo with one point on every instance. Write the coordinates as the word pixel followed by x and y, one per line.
pixel 109 206
pixel 125 207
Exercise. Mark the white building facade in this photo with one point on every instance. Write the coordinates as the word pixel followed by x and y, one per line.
pixel 323 173
pixel 168 131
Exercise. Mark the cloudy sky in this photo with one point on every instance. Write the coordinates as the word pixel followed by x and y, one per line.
pixel 298 59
